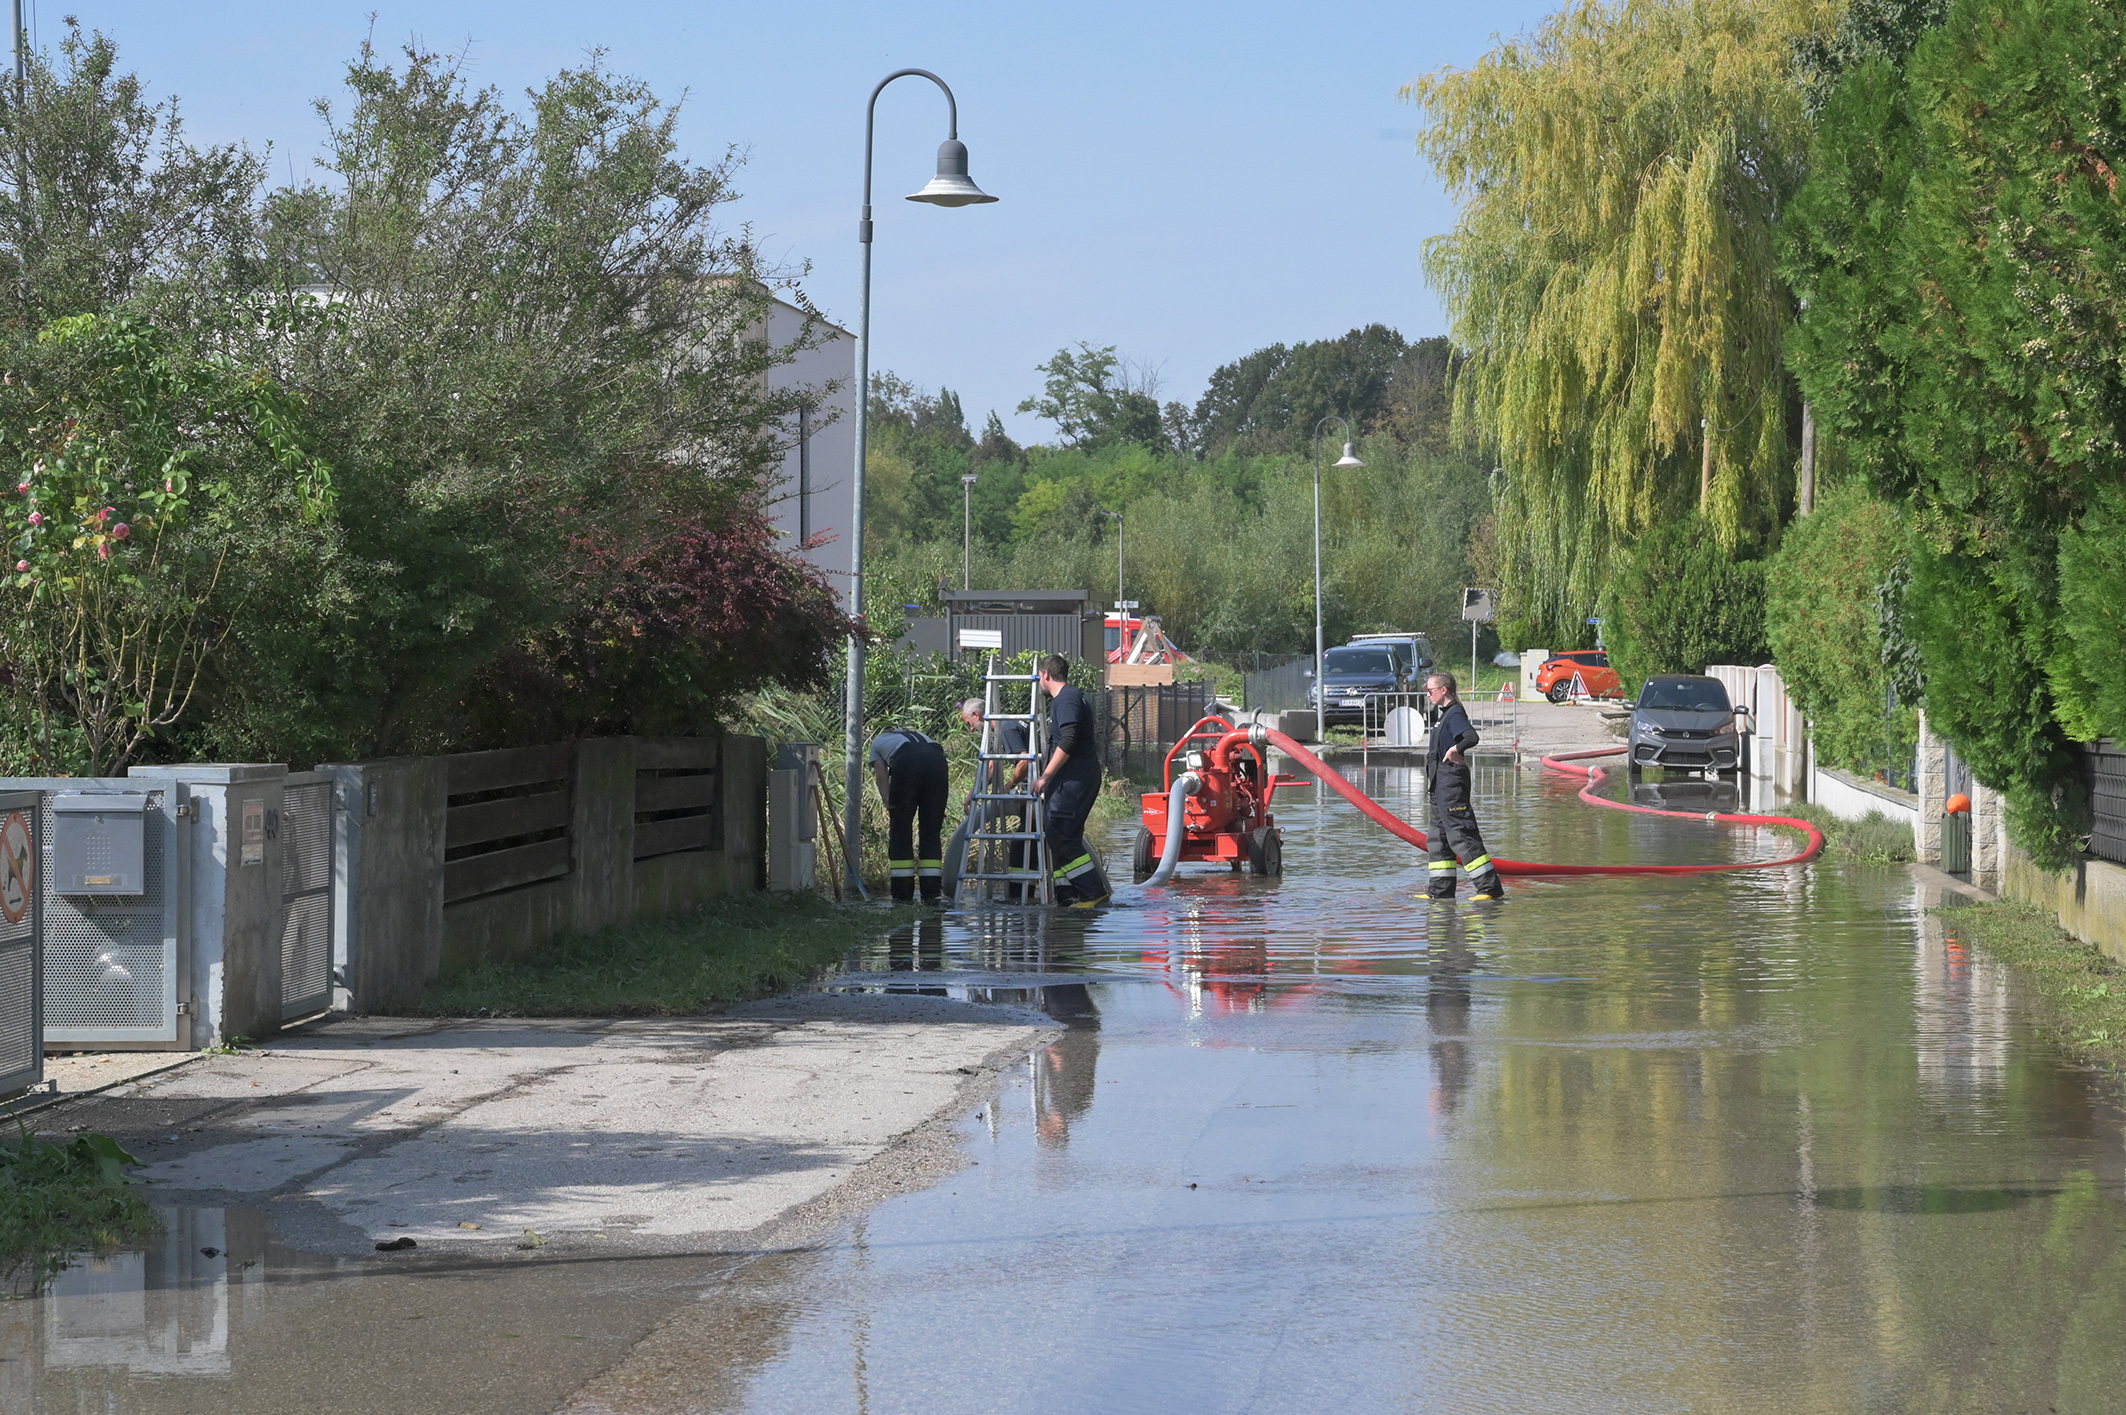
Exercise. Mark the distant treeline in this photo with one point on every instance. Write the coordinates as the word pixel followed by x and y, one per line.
pixel 1216 502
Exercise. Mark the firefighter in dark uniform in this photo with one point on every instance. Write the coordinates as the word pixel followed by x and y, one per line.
pixel 1071 783
pixel 913 781
pixel 1457 844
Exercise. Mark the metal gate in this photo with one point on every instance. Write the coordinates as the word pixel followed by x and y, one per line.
pixel 306 826
pixel 113 970
pixel 21 932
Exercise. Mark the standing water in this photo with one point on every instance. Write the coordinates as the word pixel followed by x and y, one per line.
pixel 1741 1142
pixel 1761 1141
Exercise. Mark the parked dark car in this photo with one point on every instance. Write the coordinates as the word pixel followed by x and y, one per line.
pixel 1685 722
pixel 1349 673
pixel 1415 650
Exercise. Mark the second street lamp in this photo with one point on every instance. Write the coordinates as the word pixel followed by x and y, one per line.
pixel 1321 689
pixel 950 187
pixel 1116 516
pixel 967 481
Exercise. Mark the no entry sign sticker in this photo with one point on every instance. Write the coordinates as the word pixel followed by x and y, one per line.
pixel 18 868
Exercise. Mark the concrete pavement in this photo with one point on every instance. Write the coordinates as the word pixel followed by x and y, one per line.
pixel 644 1135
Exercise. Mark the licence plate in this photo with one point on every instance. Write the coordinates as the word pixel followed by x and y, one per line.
pixel 1353 702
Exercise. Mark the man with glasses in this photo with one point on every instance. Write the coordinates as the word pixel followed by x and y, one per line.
pixel 1457 844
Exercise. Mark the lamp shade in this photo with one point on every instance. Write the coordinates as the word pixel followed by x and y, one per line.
pixel 1347 460
pixel 952 186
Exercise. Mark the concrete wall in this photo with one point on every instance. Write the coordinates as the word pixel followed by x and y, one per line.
pixel 830 455
pixel 1849 798
pixel 2089 900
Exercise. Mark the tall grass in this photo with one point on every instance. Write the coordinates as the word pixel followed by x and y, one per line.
pixel 732 949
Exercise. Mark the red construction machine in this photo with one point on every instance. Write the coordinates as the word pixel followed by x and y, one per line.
pixel 1225 789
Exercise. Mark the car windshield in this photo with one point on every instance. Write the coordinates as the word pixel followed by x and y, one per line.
pixel 1359 661
pixel 1685 695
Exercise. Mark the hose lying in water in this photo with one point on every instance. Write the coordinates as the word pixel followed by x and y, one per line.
pixel 1403 830
pixel 1185 785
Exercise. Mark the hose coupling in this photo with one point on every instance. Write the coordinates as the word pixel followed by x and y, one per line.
pixel 1258 735
pixel 1190 783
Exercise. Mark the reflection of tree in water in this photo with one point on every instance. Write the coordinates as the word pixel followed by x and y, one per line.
pixel 1449 961
pixel 1063 1076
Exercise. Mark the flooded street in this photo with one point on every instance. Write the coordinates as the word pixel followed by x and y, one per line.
pixel 1743 1142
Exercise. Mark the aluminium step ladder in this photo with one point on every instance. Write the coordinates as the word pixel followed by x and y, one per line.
pixel 1009 818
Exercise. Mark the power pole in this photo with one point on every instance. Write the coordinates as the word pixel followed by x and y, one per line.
pixel 22 57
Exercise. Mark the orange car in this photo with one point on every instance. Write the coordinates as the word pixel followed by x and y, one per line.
pixel 1554 679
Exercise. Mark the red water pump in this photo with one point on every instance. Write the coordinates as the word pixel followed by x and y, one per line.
pixel 1225 814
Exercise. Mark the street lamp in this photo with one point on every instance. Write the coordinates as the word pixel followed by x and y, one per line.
pixel 1116 517
pixel 1321 689
pixel 967 481
pixel 950 187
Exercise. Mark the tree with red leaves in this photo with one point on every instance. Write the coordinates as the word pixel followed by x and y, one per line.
pixel 672 631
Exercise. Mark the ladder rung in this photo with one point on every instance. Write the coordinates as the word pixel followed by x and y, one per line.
pixel 1020 796
pixel 1005 835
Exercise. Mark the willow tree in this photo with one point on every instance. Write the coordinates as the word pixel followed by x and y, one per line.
pixel 1612 275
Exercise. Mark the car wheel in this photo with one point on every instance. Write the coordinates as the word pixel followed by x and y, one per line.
pixel 1560 691
pixel 1142 860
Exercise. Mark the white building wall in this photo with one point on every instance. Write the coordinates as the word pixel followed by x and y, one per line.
pixel 811 491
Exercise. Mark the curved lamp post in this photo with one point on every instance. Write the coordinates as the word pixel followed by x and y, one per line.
pixel 1321 689
pixel 950 187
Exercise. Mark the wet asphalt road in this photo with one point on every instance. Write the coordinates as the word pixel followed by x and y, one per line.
pixel 1759 1142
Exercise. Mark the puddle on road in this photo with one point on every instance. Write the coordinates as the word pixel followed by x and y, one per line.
pixel 1736 1143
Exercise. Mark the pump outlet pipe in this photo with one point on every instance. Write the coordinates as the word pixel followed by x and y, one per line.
pixel 1185 785
pixel 1395 825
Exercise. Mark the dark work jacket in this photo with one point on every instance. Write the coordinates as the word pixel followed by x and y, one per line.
pixel 1072 727
pixel 1451 730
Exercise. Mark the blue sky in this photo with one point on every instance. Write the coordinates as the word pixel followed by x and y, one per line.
pixel 1186 181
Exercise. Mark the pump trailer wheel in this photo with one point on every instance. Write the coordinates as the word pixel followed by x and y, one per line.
pixel 1265 851
pixel 1142 860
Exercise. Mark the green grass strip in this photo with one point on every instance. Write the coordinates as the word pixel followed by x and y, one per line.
pixel 2076 994
pixel 730 950
pixel 1874 840
pixel 58 1200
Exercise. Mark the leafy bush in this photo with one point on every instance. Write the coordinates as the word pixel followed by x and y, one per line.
pixel 1678 602
pixel 1961 251
pixel 1822 616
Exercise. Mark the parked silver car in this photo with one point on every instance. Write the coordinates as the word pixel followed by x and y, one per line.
pixel 1686 723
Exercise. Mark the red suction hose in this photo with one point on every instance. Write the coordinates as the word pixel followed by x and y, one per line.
pixel 1402 829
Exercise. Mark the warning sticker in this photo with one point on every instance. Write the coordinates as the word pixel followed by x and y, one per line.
pixel 18 868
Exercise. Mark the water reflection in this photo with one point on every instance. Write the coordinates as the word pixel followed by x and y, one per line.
pixel 1065 1069
pixel 167 1310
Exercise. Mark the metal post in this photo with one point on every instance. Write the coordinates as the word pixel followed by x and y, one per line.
pixel 1472 655
pixel 22 64
pixel 804 472
pixel 1321 689
pixel 967 481
pixel 853 688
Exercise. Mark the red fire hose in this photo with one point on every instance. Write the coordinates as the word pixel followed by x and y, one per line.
pixel 1403 830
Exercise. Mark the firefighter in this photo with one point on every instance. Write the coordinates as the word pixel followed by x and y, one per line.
pixel 1071 783
pixel 912 780
pixel 1456 841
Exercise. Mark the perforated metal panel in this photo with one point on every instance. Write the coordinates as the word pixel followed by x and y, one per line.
pixel 110 964
pixel 306 889
pixel 21 990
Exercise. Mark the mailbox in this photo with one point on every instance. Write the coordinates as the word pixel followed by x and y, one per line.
pixel 98 842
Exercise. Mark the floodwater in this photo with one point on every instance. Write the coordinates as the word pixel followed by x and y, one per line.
pixel 1762 1142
